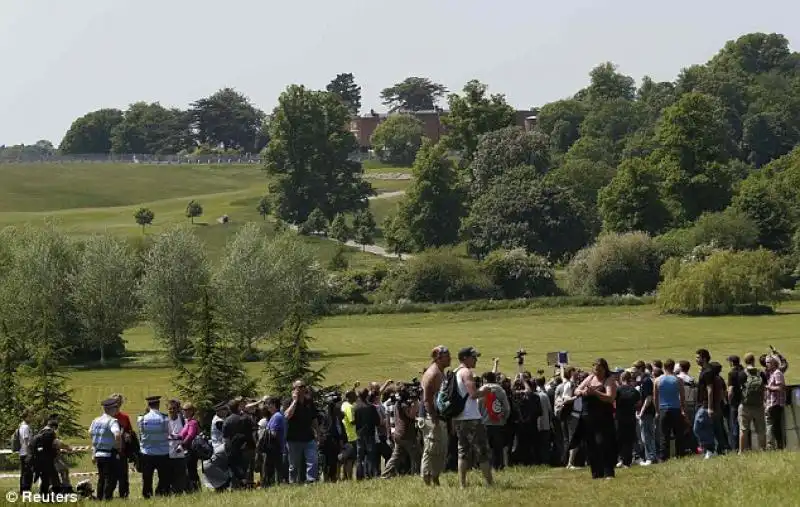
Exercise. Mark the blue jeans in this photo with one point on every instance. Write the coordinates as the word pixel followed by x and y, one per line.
pixel 704 429
pixel 299 453
pixel 648 429
pixel 367 458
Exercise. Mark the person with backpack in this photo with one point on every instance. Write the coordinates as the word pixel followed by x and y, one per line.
pixel 106 437
pixel 434 428
pixel 467 422
pixel 272 444
pixel 751 409
pixel 20 443
pixel 495 410
pixel 43 452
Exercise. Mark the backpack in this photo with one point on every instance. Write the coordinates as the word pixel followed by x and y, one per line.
pixel 16 442
pixel 753 390
pixel 494 408
pixel 266 442
pixel 202 448
pixel 42 443
pixel 449 402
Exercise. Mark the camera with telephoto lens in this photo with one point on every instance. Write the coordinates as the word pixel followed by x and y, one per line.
pixel 332 397
pixel 520 356
pixel 408 393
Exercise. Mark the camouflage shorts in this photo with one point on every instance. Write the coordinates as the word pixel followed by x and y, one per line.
pixel 472 440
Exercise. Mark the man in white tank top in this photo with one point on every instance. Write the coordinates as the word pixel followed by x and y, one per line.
pixel 468 425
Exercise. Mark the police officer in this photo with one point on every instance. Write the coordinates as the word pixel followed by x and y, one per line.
pixel 154 444
pixel 106 437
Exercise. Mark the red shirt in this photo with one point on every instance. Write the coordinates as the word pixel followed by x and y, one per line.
pixel 125 425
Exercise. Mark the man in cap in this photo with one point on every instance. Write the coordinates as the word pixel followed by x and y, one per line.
pixel 468 425
pixel 106 437
pixel 434 430
pixel 154 443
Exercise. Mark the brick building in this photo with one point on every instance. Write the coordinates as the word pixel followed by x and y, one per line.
pixel 364 126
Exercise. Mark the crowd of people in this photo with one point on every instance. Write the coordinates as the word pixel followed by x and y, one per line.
pixel 452 419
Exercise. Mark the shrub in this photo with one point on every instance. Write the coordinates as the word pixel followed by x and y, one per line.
pixel 725 282
pixel 518 274
pixel 437 276
pixel 729 229
pixel 615 264
pixel 355 286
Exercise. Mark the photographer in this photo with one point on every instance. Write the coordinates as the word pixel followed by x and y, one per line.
pixel 332 436
pixel 526 409
pixel 405 431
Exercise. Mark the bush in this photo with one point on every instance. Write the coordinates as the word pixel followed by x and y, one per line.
pixel 355 286
pixel 437 276
pixel 615 264
pixel 520 275
pixel 729 229
pixel 725 282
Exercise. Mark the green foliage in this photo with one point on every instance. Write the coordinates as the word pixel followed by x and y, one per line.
pixel 344 86
pixel 729 229
pixel 228 119
pixel 473 115
pixel 42 149
pixel 339 230
pixel 607 84
pixel 176 274
pixel 291 359
pixel 364 227
pixel 264 207
pixel 616 264
pixel 719 284
pixel 354 286
pixel 339 261
pixel 398 139
pixel 316 223
pixel 584 177
pixel 396 235
pixel 193 209
pixel 561 121
pixel 504 149
pixel 152 128
pixel 217 374
pixel 413 94
pixel 437 276
pixel 520 275
pixel 144 217
pixel 308 157
pixel 765 203
pixel 10 392
pixel 46 392
pixel 522 210
pixel 631 202
pixel 103 291
pixel 91 133
pixel 432 208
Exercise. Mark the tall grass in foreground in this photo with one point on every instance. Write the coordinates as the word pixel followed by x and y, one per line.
pixel 756 479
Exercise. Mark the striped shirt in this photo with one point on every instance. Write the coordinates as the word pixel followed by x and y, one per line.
pixel 104 430
pixel 154 433
pixel 776 398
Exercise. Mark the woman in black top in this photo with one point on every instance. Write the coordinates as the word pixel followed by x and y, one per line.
pixel 599 392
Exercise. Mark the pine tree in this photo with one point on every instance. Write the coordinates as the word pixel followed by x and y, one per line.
pixel 48 395
pixel 219 375
pixel 10 406
pixel 290 359
pixel 339 229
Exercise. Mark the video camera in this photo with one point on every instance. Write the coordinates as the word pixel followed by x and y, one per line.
pixel 520 356
pixel 409 391
pixel 331 397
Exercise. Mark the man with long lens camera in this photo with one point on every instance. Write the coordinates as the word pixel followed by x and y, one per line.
pixel 405 430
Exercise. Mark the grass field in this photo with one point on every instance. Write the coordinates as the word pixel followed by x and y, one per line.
pixel 85 199
pixel 729 481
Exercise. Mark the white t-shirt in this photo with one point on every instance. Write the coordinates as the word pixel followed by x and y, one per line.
pixel 24 438
pixel 547 412
pixel 569 391
pixel 175 450
pixel 471 410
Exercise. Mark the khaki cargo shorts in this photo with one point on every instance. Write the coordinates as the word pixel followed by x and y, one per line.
pixel 472 439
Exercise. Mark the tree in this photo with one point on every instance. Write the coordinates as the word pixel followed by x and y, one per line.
pixel 762 200
pixel 47 393
pixel 398 139
pixel 413 94
pixel 504 149
pixel 315 224
pixel 561 121
pixel 339 229
pixel 768 136
pixel 227 119
pixel 291 359
pixel 397 238
pixel 521 210
pixel 193 209
pixel 261 280
pixel 153 129
pixel 584 177
pixel 91 133
pixel 218 375
pixel 176 274
pixel 144 217
pixel 10 391
pixel 344 86
pixel 631 202
pixel 608 84
pixel 475 114
pixel 104 291
pixel 308 157
pixel 432 208
pixel 364 228
pixel 264 207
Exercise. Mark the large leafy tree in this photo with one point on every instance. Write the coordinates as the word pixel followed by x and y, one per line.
pixel 397 139
pixel 504 149
pixel 344 86
pixel 631 202
pixel 91 133
pixel 561 121
pixel 413 94
pixel 763 201
pixel 608 84
pixel 228 119
pixel 473 114
pixel 432 208
pixel 153 129
pixel 522 210
pixel 308 157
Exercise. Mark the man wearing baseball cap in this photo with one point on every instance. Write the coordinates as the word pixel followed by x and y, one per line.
pixel 468 424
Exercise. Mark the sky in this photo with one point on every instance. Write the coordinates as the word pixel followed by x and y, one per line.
pixel 64 58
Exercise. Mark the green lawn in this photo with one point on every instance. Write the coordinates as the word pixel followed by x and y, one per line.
pixel 377 347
